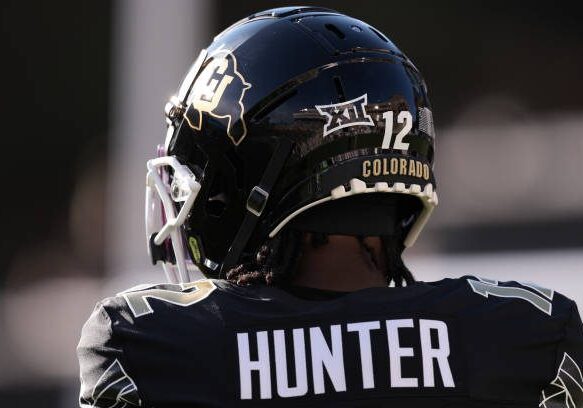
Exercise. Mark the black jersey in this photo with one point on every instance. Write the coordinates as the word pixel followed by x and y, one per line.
pixel 456 343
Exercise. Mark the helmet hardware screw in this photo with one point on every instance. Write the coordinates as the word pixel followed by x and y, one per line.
pixel 174 108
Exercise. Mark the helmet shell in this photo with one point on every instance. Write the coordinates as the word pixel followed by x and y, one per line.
pixel 352 108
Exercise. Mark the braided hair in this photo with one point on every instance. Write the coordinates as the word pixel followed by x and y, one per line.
pixel 277 260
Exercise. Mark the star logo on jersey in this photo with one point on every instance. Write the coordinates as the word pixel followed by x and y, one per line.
pixel 566 390
pixel 345 114
pixel 218 92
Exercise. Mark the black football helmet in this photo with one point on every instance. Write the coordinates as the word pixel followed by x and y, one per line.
pixel 286 110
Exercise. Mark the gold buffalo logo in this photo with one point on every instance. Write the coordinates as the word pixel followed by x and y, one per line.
pixel 219 77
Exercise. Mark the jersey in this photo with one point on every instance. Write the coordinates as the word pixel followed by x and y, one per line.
pixel 455 343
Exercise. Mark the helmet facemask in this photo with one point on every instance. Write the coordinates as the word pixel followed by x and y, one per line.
pixel 171 190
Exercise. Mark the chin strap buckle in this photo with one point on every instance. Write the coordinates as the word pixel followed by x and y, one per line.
pixel 257 200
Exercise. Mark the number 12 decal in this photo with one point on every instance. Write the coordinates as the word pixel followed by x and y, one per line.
pixel 539 297
pixel 404 117
pixel 184 294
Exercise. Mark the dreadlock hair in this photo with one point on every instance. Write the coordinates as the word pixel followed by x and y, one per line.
pixel 277 260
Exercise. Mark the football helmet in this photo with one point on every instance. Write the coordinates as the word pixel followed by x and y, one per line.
pixel 287 110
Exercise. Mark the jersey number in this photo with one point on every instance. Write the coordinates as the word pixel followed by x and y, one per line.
pixel 178 294
pixel 539 297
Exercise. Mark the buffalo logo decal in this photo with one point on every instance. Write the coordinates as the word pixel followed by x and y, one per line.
pixel 218 91
pixel 345 114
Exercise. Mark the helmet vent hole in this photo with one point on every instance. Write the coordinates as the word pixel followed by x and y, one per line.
pixel 379 34
pixel 339 88
pixel 335 30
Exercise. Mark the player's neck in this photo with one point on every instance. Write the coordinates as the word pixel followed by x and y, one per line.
pixel 341 265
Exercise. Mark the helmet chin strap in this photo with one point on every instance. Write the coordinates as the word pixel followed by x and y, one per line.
pixel 256 203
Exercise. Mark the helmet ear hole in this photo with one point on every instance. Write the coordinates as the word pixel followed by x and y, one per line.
pixel 215 206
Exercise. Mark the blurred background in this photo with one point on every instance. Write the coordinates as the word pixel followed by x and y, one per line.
pixel 84 85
